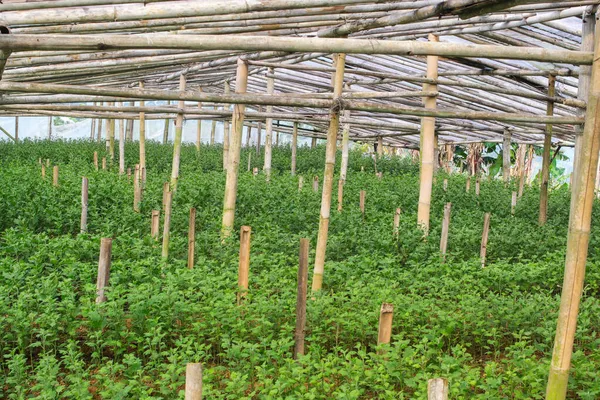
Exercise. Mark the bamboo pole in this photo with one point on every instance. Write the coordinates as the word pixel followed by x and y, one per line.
pixel 213 131
pixel 177 139
pixel 84 205
pixel 484 238
pixel 226 130
pixel 315 185
pixel 50 128
pixel 55 176
pixel 167 225
pixel 191 238
pixel 379 147
pixel 313 143
pixel 43 171
pixel 155 224
pixel 397 222
pixel 99 132
pixel 294 147
pixel 249 158
pixel 301 299
pixel 96 160
pixel 193 381
pixel 427 146
pixel 93 128
pixel 445 185
pixel 121 147
pixel 477 186
pixel 513 203
pixel 437 389
pixel 386 316
pixel 340 195
pixel 199 129
pixel 166 127
pixel 330 151
pixel 129 127
pixel 104 163
pixel 546 157
pixel 103 269
pixel 269 126
pixel 142 138
pixel 362 197
pixel 345 140
pixel 577 239
pixel 111 139
pixel 233 163
pixel 16 129
pixel 445 230
pixel 244 265
pixel 506 150
pixel 136 189
pixel 300 183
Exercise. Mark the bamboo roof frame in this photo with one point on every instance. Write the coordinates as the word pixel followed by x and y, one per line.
pixel 494 62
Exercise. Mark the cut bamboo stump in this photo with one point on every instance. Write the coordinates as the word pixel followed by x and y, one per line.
pixel 363 195
pixel 155 224
pixel 315 183
pixel 55 176
pixel 244 266
pixel 340 195
pixel 96 160
pixel 445 229
pixel 437 389
pixel 300 183
pixel 386 315
pixel 103 269
pixel 477 187
pixel 397 222
pixel 104 163
pixel 167 225
pixel 301 299
pixel 484 238
pixel 445 185
pixel 136 189
pixel 43 171
pixel 84 204
pixel 255 171
pixel 193 381
pixel 191 238
pixel 513 203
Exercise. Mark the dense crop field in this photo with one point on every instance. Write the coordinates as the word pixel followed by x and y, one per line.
pixel 489 331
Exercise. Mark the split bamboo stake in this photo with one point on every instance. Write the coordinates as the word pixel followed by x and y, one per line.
pixel 43 171
pixel 121 147
pixel 397 222
pixel 191 238
pixel 193 381
pixel 386 316
pixel 513 203
pixel 226 134
pixel 177 139
pixel 241 84
pixel 577 239
pixel 340 194
pixel 543 216
pixel 84 204
pixel 142 138
pixel 300 183
pixel 506 150
pixel 103 269
pixel 301 299
pixel 363 195
pixel 244 265
pixel 96 160
pixel 55 176
pixel 484 238
pixel 330 151
pixel 427 146
pixel 155 224
pixel 269 126
pixel 445 230
pixel 294 146
pixel 167 225
pixel 437 389
pixel 136 189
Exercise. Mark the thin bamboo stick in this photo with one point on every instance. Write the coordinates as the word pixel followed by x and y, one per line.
pixel 269 127
pixel 294 147
pixel 142 138
pixel 315 185
pixel 121 147
pixel 226 132
pixel 340 195
pixel 362 197
pixel 166 128
pixel 345 140
pixel 191 238
pixel 484 238
pixel 244 264
pixel 513 203
pixel 84 205
pixel 96 160
pixel 55 176
pixel 111 139
pixel 103 269
pixel 546 157
pixel 167 225
pixel 177 140
pixel 445 230
pixel 397 222
pixel 300 183
pixel 301 299
pixel 136 189
pixel 506 150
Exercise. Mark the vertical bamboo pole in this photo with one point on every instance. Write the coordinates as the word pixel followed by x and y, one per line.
pixel 166 127
pixel 437 389
pixel 379 146
pixel 128 175
pixel 513 203
pixel 103 269
pixel 546 156
pixel 313 142
pixel 345 144
pixel 43 171
pixel 386 316
pixel 193 381
pixel 468 185
pixel 315 183
pixel 121 147
pixel 136 189
pixel 427 145
pixel 233 162
pixel 577 239
pixel 294 146
pixel 177 139
pixel 269 126
pixel 258 134
pixel 199 129
pixel 248 135
pixel 84 205
pixel 445 229
pixel 191 238
pixel 301 299
pixel 104 163
pixel 340 195
pixel 244 265
pixel 155 224
pixel 16 129
pixel 477 186
pixel 96 160
pixel 129 126
pixel 213 130
pixel 99 132
pixel 50 128
pixel 334 123
pixel 111 138
pixel 249 161
pixel 300 183
pixel 167 225
pixel 484 238
pixel 445 185
pixel 226 134
pixel 55 176
pixel 397 222
pixel 166 189
pixel 142 133
pixel 93 127
pixel 363 195
pixel 506 149
pixel 277 136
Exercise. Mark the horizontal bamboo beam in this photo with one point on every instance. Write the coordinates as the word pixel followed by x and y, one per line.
pixel 288 44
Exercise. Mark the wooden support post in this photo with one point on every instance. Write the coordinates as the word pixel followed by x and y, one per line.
pixel 178 138
pixel 193 381
pixel 121 147
pixel 546 156
pixel 294 146
pixel 142 134
pixel 437 389
pixel 427 145
pixel 386 316
pixel 233 162
pixel 244 266
pixel 269 125
pixel 155 224
pixel 17 129
pixel 226 134
pixel 340 195
pixel 363 195
pixel 313 143
pixel 166 127
pixel 506 150
pixel 191 238
pixel 84 204
pixel 445 230
pixel 99 132
pixel 301 299
pixel 484 238
pixel 577 238
pixel 96 160
pixel 111 137
pixel 55 176
pixel 513 203
pixel 213 131
pixel 167 225
pixel 50 128
pixel 136 189
pixel 129 126
pixel 103 269
pixel 397 222
pixel 345 145
pixel 300 183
